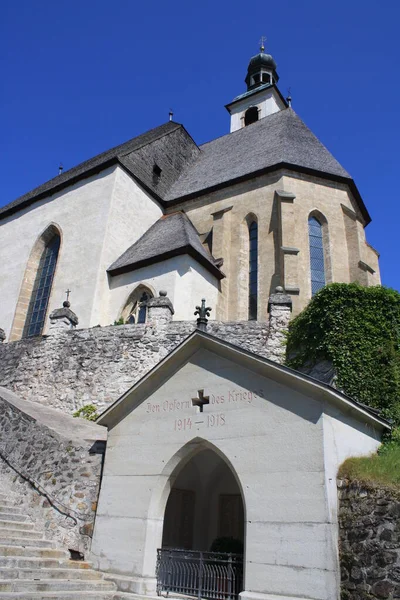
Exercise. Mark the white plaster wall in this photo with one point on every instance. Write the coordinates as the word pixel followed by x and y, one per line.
pixel 344 437
pixel 80 211
pixel 183 278
pixel 268 102
pixel 132 212
pixel 273 440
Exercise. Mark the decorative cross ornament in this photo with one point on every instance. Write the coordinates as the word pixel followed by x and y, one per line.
pixel 201 400
pixel 67 303
pixel 203 311
pixel 262 40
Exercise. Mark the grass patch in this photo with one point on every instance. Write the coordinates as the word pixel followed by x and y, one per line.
pixel 379 469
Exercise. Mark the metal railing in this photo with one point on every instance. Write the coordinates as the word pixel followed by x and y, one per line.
pixel 212 575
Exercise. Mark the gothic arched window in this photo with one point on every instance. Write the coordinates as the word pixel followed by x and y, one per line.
pixel 251 115
pixel 138 313
pixel 253 270
pixel 135 309
pixel 41 291
pixel 317 259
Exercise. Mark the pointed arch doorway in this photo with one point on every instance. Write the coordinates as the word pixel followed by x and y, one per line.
pixel 203 530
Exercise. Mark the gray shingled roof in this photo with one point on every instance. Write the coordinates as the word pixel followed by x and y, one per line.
pixel 169 145
pixel 279 138
pixel 170 236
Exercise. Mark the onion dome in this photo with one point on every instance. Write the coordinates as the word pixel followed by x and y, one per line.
pixel 261 70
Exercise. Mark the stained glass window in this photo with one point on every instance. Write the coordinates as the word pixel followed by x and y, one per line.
pixel 42 288
pixel 253 270
pixel 317 263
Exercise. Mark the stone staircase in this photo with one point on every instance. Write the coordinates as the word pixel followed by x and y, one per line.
pixel 32 568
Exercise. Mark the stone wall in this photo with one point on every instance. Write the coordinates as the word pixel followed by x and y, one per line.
pixel 97 365
pixel 53 462
pixel 369 530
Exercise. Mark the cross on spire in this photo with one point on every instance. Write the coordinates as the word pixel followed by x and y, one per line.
pixel 262 40
pixel 201 400
pixel 68 293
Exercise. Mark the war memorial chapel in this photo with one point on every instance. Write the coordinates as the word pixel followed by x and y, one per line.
pixel 211 470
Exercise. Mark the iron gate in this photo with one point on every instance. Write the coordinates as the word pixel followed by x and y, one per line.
pixel 212 575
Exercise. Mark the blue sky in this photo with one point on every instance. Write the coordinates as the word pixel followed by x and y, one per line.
pixel 82 76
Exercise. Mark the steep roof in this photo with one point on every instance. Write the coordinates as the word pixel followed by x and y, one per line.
pixel 279 138
pixel 169 146
pixel 170 236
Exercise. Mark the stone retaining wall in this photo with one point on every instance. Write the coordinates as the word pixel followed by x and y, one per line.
pixel 52 462
pixel 95 366
pixel 369 530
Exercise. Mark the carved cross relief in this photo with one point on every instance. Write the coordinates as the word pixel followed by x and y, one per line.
pixel 201 400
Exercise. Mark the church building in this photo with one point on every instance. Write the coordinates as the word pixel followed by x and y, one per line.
pixel 211 470
pixel 265 205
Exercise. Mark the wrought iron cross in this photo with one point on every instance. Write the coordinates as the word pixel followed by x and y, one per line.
pixel 68 293
pixel 201 400
pixel 203 311
pixel 262 40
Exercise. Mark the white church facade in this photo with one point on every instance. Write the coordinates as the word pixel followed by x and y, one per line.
pixel 216 445
pixel 264 205
pixel 219 472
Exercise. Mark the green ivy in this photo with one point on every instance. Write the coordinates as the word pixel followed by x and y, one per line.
pixel 89 412
pixel 357 329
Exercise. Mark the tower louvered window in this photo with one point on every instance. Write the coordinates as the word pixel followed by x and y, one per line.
pixel 253 270
pixel 42 288
pixel 317 261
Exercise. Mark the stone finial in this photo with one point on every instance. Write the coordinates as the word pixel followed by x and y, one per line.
pixel 2 335
pixel 203 311
pixel 62 319
pixel 159 309
pixel 279 298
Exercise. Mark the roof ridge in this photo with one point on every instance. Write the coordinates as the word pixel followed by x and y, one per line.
pixel 292 113
pixel 188 223
pixel 171 130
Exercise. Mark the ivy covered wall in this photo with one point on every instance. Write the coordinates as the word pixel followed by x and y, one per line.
pixel 357 330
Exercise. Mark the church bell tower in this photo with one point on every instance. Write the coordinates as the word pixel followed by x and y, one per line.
pixel 262 97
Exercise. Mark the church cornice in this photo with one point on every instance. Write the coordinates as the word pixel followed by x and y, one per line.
pixel 270 169
pixel 258 91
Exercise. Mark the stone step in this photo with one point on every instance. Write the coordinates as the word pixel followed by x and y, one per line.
pixel 10 508
pixel 130 595
pixel 34 562
pixel 10 502
pixel 26 526
pixel 15 517
pixel 55 585
pixel 46 574
pixel 14 531
pixel 13 540
pixel 7 496
pixel 58 595
pixel 33 551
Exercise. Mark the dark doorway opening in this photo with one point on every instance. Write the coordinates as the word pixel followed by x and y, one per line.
pixel 203 534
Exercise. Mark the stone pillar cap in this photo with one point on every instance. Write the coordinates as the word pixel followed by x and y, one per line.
pixel 279 298
pixel 64 312
pixel 161 301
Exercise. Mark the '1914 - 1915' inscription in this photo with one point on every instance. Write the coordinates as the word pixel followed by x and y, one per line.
pixel 215 420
